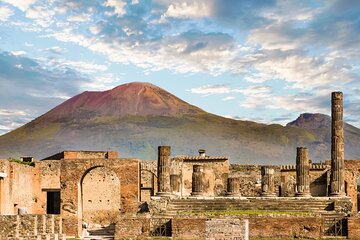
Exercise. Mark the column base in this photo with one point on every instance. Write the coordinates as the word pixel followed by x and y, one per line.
pixel 337 195
pixel 164 194
pixel 303 195
pixel 268 195
pixel 197 194
pixel 230 194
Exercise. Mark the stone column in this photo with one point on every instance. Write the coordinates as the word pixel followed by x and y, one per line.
pixel 233 187
pixel 337 184
pixel 175 183
pixel 198 180
pixel 302 172
pixel 164 169
pixel 267 182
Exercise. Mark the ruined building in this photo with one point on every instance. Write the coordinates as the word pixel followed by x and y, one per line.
pixel 84 193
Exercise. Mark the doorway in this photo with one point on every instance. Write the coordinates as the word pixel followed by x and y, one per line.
pixel 53 202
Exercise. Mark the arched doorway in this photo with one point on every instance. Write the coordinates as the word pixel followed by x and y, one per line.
pixel 100 199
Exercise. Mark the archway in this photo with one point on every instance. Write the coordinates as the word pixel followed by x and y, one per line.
pixel 100 198
pixel 148 185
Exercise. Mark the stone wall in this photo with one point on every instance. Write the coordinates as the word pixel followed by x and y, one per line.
pixel 72 173
pixel 29 226
pixel 84 155
pixel 50 174
pixel 285 179
pixel 216 173
pixel 188 228
pixel 352 176
pixel 227 229
pixel 21 188
pixel 132 228
pixel 354 227
pixel 286 226
pixel 149 186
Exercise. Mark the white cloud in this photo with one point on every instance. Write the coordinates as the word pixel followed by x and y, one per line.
pixel 79 18
pixel 118 5
pixel 54 49
pixel 41 14
pixel 186 9
pixel 23 5
pixel 81 66
pixel 5 13
pixel 18 53
pixel 228 98
pixel 211 89
pixel 6 112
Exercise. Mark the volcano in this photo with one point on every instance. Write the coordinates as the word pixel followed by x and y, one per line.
pixel 136 118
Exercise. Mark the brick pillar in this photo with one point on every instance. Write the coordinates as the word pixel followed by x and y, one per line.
pixel 302 172
pixel 175 183
pixel 233 187
pixel 164 168
pixel 267 182
pixel 198 176
pixel 337 184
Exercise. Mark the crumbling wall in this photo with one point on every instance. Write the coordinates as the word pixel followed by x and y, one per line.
pixel 21 188
pixel 352 175
pixel 188 228
pixel 72 172
pixel 354 227
pixel 132 228
pixel 50 174
pixel 101 196
pixel 149 186
pixel 30 226
pixel 216 174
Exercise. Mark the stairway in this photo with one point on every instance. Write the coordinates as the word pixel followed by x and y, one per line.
pixel 277 204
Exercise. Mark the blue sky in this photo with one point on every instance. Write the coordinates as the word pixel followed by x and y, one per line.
pixel 266 61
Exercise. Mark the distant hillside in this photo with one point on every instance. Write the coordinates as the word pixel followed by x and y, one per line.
pixel 135 118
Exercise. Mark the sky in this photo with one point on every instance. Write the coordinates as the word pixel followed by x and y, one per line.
pixel 265 61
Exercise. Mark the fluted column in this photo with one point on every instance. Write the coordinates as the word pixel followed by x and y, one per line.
pixel 164 168
pixel 233 187
pixel 302 172
pixel 198 180
pixel 267 182
pixel 337 183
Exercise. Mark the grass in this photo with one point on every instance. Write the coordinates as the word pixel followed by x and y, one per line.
pixel 21 162
pixel 248 212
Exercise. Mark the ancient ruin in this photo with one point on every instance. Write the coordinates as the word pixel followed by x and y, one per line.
pixel 87 194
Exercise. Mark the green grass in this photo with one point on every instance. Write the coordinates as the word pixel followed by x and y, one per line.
pixel 247 212
pixel 21 162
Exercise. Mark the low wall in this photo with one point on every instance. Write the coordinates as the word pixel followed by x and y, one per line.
pixel 188 228
pixel 286 227
pixel 354 227
pixel 29 226
pixel 132 228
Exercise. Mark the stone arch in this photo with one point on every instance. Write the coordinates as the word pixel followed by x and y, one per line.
pixel 99 197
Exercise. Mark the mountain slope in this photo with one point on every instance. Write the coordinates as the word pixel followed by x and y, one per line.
pixel 137 117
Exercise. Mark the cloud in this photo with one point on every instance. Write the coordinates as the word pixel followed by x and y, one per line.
pixel 211 89
pixel 18 53
pixel 188 9
pixel 228 98
pixel 23 5
pixel 5 13
pixel 118 5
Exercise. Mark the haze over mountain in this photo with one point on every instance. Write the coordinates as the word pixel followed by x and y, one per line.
pixel 135 118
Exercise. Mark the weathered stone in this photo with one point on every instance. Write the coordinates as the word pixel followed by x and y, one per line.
pixel 337 183
pixel 267 182
pixel 198 178
pixel 233 187
pixel 164 168
pixel 302 172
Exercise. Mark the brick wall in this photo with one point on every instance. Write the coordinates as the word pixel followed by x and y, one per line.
pixel 286 227
pixel 354 227
pixel 132 227
pixel 188 228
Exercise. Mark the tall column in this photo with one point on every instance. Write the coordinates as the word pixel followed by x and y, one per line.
pixel 337 183
pixel 267 182
pixel 164 168
pixel 302 172
pixel 198 180
pixel 233 187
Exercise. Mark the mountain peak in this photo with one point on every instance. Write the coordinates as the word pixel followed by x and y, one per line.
pixel 135 98
pixel 311 121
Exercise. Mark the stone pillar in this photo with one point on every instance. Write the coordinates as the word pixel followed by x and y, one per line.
pixel 302 172
pixel 233 187
pixel 337 184
pixel 164 169
pixel 175 183
pixel 267 182
pixel 198 180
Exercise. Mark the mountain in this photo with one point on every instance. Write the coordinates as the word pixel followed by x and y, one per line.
pixel 135 118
